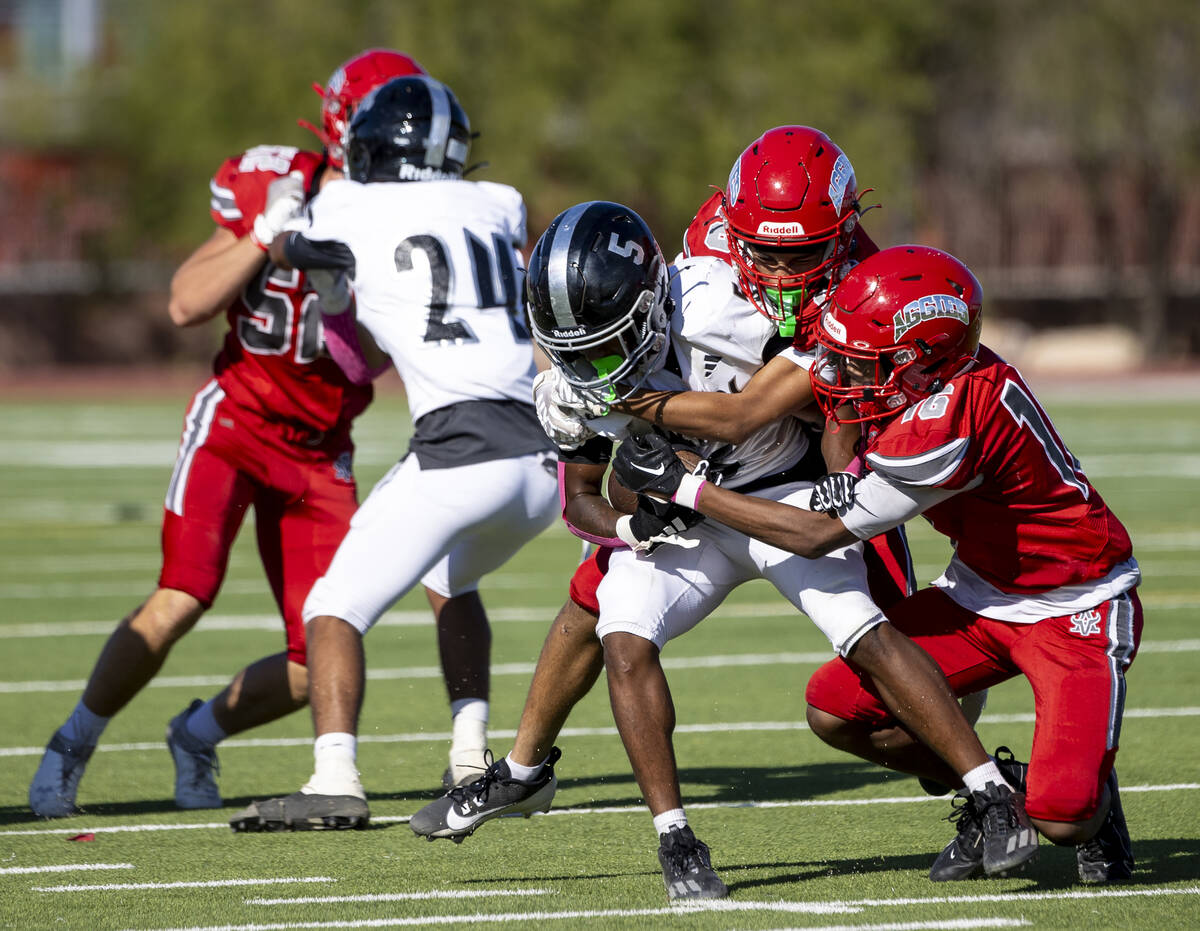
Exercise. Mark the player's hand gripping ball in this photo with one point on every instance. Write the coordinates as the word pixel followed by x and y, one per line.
pixel 649 465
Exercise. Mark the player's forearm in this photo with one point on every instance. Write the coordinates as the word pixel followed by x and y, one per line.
pixel 591 515
pixel 838 446
pixel 712 415
pixel 209 280
pixel 806 533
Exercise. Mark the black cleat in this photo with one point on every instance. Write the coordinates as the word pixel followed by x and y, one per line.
pixel 303 811
pixel 1009 838
pixel 495 794
pixel 962 858
pixel 1108 857
pixel 687 867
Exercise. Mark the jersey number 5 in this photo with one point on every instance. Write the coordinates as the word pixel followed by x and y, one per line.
pixel 268 330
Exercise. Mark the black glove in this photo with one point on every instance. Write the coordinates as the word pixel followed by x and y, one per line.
pixel 648 465
pixel 656 522
pixel 833 493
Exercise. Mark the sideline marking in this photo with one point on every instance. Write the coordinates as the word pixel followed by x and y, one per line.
pixel 63 868
pixel 508 734
pixel 606 810
pixel 192 884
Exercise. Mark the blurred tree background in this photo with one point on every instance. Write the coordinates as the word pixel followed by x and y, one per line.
pixel 1053 147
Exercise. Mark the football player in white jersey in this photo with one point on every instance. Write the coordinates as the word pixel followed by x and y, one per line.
pixel 435 271
pixel 610 320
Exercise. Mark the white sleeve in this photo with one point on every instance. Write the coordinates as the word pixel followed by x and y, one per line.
pixel 879 504
pixel 796 357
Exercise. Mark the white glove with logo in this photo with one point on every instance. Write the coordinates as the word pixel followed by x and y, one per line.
pixel 564 426
pixel 285 200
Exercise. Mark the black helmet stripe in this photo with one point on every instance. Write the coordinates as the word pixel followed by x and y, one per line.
pixel 439 123
pixel 559 261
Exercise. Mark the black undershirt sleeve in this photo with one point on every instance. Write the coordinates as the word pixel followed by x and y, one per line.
pixel 304 253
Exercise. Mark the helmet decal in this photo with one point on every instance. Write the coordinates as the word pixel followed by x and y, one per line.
pixel 840 178
pixel 930 307
pixel 560 300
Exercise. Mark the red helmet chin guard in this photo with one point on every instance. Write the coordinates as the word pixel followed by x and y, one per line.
pixel 791 191
pixel 901 324
pixel 348 85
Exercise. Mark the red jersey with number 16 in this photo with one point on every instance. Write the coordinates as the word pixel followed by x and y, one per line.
pixel 1025 518
pixel 272 361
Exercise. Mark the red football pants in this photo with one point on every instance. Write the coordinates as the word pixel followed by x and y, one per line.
pixel 1075 663
pixel 303 498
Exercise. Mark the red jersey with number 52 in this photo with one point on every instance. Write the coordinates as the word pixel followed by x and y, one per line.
pixel 1026 519
pixel 271 361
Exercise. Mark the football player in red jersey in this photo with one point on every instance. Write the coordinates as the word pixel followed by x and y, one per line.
pixel 1042 581
pixel 270 430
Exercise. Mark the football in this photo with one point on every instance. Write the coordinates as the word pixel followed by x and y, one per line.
pixel 624 500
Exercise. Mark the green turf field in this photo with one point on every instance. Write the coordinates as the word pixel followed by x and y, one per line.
pixel 804 836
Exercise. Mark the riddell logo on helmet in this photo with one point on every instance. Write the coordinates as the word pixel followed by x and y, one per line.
pixel 930 307
pixel 833 327
pixel 780 229
pixel 569 334
pixel 418 173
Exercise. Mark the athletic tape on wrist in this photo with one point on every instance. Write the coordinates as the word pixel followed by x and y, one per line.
pixel 688 492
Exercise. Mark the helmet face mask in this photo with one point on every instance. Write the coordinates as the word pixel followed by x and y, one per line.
pixel 791 196
pixel 345 90
pixel 408 129
pixel 898 327
pixel 599 299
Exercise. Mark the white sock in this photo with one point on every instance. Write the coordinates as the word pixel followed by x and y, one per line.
pixel 469 735
pixel 522 772
pixel 675 818
pixel 334 771
pixel 202 724
pixel 84 727
pixel 981 776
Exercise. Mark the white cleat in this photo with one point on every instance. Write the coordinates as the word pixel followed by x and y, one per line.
pixel 52 791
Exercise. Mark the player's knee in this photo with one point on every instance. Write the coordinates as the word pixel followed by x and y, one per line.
pixel 575 622
pixel 830 688
pixel 166 616
pixel 627 655
pixel 835 731
pixel 1071 814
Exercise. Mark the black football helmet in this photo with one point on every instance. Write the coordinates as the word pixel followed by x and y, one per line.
pixel 409 129
pixel 599 299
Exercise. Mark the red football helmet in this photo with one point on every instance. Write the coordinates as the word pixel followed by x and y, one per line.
pixel 347 87
pixel 901 324
pixel 790 209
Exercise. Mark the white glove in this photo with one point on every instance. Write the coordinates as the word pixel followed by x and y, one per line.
pixel 285 200
pixel 333 289
pixel 564 426
pixel 569 399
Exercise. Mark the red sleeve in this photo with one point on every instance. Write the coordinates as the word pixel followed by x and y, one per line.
pixel 930 443
pixel 239 188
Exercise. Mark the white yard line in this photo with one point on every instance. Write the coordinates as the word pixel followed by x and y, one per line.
pixel 402 896
pixel 63 868
pixel 734 906
pixel 244 743
pixel 66 827
pixel 193 884
pixel 39 686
